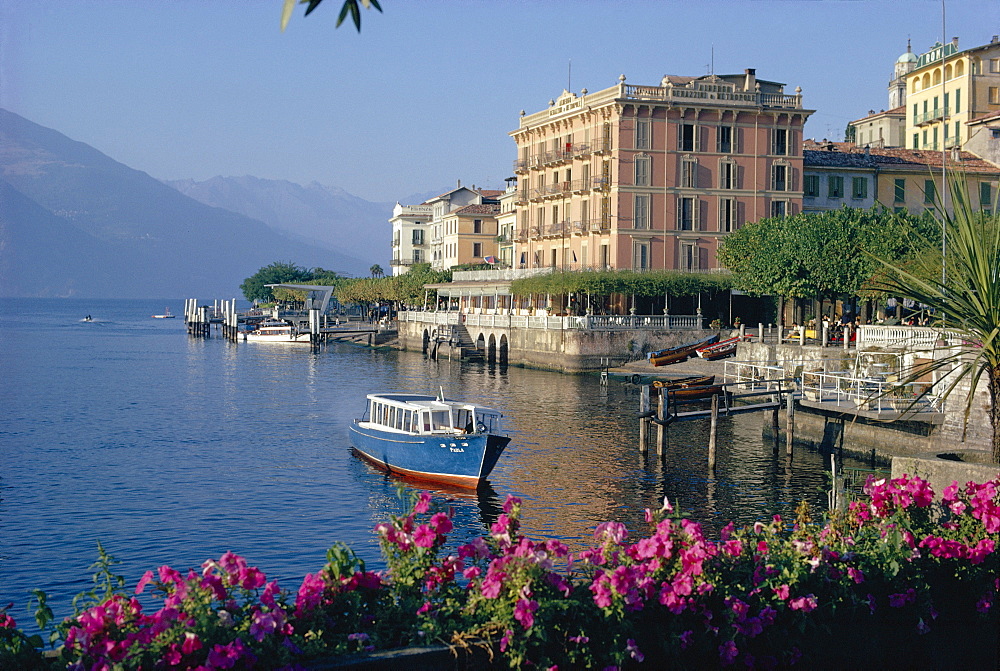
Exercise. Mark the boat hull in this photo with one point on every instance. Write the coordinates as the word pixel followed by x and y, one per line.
pixel 283 338
pixel 459 460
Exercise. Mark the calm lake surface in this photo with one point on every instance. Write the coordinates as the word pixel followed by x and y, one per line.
pixel 173 450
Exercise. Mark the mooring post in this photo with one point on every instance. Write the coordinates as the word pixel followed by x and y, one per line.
pixel 743 332
pixel 760 332
pixel 775 429
pixel 790 422
pixel 661 428
pixel 712 431
pixel 644 408
pixel 847 336
pixel 802 336
pixel 826 334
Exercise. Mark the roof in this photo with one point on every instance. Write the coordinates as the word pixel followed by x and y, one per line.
pixel 895 111
pixel 848 155
pixel 489 209
pixel 986 118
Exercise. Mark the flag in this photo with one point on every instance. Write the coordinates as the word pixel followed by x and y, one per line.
pixel 490 259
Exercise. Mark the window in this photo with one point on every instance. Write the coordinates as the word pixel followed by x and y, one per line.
pixel 916 141
pixel 418 237
pixel 477 226
pixel 724 140
pixel 685 140
pixel 642 170
pixel 685 214
pixel 727 175
pixel 811 186
pixel 689 173
pixel 985 194
pixel 929 195
pixel 641 211
pixel 779 141
pixel 418 256
pixel 779 177
pixel 642 140
pixel 689 256
pixel 640 255
pixel 914 112
pixel 727 215
pixel 779 208
pixel 899 190
pixel 995 95
pixel 995 65
pixel 859 187
pixel 835 187
pixel 958 100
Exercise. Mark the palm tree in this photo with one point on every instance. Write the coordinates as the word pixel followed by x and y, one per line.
pixel 966 297
pixel 376 271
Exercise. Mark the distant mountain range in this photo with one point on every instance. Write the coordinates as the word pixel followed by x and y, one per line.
pixel 74 222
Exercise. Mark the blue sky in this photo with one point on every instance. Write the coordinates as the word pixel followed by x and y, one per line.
pixel 427 93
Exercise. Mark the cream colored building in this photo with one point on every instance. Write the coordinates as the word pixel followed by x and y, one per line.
pixel 947 89
pixel 645 177
pixel 409 236
pixel 507 224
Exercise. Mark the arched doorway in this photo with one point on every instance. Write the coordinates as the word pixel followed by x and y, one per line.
pixel 503 350
pixel 491 350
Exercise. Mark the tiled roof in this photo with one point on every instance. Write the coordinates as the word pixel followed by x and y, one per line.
pixel 846 154
pixel 986 117
pixel 895 111
pixel 487 209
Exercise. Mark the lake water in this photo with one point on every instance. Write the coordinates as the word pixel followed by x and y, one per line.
pixel 172 450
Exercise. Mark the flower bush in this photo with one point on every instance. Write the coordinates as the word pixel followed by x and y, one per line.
pixel 884 583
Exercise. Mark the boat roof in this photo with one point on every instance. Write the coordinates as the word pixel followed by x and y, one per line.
pixel 426 402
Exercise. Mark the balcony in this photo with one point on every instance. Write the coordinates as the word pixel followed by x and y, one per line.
pixel 601 183
pixel 520 166
pixel 602 146
pixel 580 227
pixel 522 196
pixel 581 185
pixel 936 114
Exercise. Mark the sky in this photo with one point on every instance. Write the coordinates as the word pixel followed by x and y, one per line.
pixel 429 90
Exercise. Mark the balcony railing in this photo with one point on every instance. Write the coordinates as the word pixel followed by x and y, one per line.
pixel 698 91
pixel 540 321
pixel 932 115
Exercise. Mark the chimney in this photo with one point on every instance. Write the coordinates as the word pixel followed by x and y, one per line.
pixel 751 79
pixel 996 38
pixel 459 184
pixel 954 42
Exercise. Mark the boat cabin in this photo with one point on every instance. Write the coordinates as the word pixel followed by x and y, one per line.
pixel 427 415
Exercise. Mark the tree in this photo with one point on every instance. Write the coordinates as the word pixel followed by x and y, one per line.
pixel 376 271
pixel 279 272
pixel 349 7
pixel 821 255
pixel 965 297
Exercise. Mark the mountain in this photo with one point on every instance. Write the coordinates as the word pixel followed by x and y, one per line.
pixel 75 222
pixel 325 216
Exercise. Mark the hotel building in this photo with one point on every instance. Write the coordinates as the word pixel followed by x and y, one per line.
pixel 653 177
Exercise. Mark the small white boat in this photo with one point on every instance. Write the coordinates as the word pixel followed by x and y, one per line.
pixel 430 439
pixel 166 314
pixel 276 331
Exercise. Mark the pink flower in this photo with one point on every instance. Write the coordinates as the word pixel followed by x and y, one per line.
pixel 146 578
pixel 190 644
pixel 423 503
pixel 226 656
pixel 441 523
pixel 505 640
pixel 424 537
pixel 804 603
pixel 524 612
pixel 6 621
pixel 781 592
pixel 512 505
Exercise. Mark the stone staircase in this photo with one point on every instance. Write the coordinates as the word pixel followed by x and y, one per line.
pixel 457 336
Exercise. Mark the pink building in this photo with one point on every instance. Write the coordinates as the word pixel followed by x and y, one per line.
pixel 652 177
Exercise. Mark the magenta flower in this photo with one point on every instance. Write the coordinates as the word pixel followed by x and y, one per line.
pixel 441 523
pixel 633 650
pixel 423 503
pixel 190 644
pixel 804 603
pixel 505 640
pixel 781 591
pixel 524 612
pixel 146 578
pixel 424 536
pixel 901 599
pixel 226 656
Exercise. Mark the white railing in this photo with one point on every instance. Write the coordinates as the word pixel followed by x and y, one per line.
pixel 905 337
pixel 584 323
pixel 498 274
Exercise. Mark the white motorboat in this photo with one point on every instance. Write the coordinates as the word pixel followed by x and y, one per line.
pixel 276 331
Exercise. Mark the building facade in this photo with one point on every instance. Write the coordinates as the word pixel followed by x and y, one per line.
pixel 887 128
pixel 839 174
pixel 652 177
pixel 409 236
pixel 947 89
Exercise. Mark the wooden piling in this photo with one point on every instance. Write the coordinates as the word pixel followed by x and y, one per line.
pixel 644 408
pixel 661 428
pixel 713 430
pixel 790 422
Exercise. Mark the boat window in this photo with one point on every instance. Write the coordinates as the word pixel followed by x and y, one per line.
pixel 425 420
pixel 440 420
pixel 463 420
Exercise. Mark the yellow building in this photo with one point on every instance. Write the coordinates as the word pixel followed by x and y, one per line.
pixel 469 234
pixel 947 89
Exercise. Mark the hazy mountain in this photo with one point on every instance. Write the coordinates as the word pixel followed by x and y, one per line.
pixel 74 222
pixel 317 214
pixel 314 213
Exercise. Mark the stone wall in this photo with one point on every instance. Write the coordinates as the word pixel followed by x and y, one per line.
pixel 563 350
